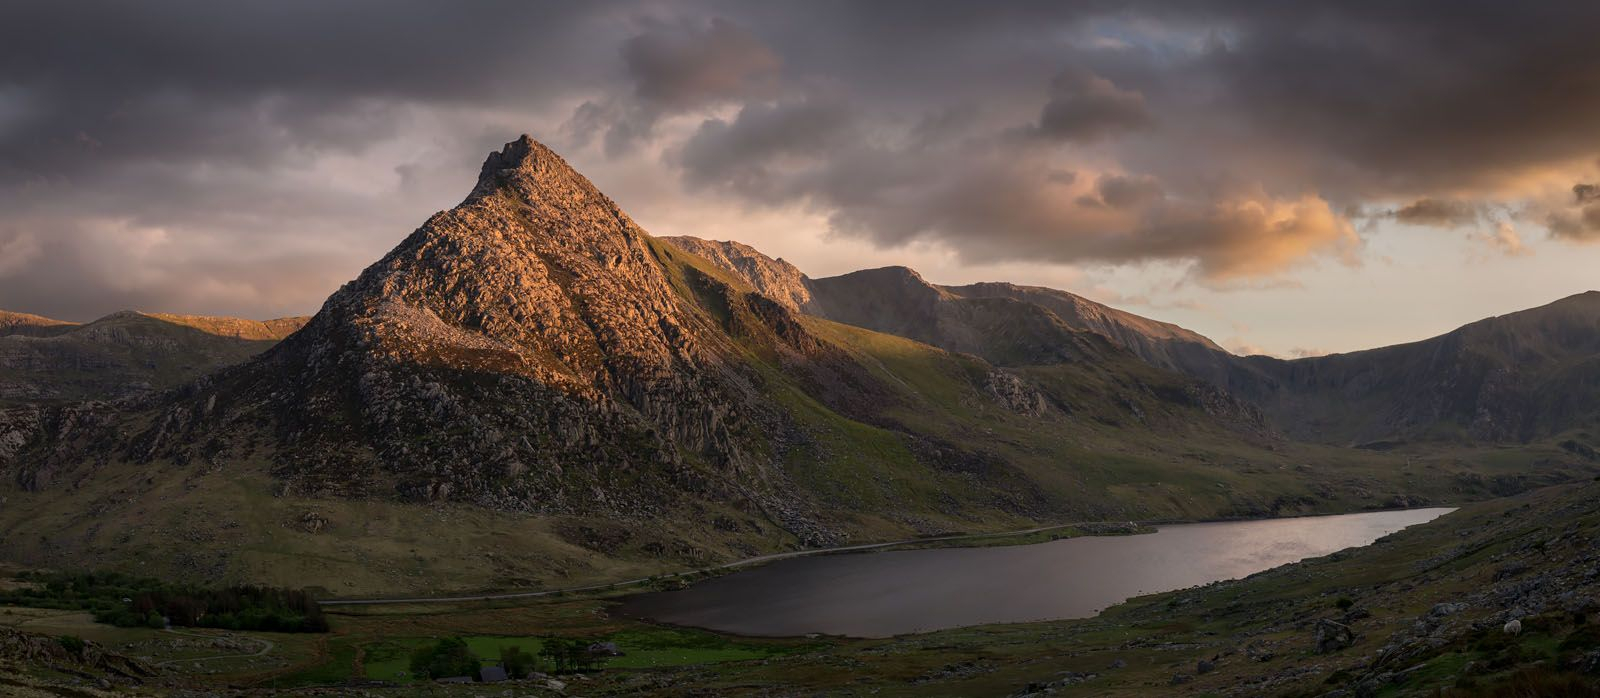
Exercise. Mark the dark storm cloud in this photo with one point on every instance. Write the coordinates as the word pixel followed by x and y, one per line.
pixel 745 155
pixel 1224 134
pixel 1441 213
pixel 1349 104
pixel 1119 191
pixel 1580 221
pixel 1087 107
pixel 996 198
pixel 683 67
pixel 676 67
pixel 145 148
pixel 1412 96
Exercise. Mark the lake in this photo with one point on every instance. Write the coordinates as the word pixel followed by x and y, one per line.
pixel 891 593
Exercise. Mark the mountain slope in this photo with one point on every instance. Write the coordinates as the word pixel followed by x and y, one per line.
pixel 32 325
pixel 1004 323
pixel 773 278
pixel 122 354
pixel 1512 378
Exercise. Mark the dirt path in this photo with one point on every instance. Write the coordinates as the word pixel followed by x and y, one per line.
pixel 266 646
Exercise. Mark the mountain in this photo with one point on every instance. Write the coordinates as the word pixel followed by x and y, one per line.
pixel 1510 379
pixel 123 354
pixel 531 390
pixel 1513 378
pixel 31 325
pixel 1004 323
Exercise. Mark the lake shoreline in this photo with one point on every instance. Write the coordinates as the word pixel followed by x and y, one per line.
pixel 919 590
pixel 710 572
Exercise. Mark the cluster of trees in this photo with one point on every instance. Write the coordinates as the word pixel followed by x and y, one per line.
pixel 566 654
pixel 452 656
pixel 128 601
pixel 449 657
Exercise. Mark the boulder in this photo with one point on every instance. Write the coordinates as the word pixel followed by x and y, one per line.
pixel 1333 636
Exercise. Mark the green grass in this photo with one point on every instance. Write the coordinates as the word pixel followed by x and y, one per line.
pixel 336 667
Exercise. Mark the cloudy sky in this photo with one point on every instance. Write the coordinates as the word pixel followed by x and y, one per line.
pixel 1283 177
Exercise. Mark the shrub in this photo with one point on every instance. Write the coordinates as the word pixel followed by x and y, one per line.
pixel 72 643
pixel 516 662
pixel 1344 603
pixel 449 657
pixel 130 602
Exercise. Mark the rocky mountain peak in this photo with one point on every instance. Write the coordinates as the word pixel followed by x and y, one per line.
pixel 536 272
pixel 532 168
pixel 531 331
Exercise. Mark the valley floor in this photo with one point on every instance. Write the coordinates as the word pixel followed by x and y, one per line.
pixel 1425 608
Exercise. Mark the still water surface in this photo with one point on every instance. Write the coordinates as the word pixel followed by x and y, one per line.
pixel 889 593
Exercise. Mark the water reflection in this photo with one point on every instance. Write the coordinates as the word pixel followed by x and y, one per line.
pixel 883 594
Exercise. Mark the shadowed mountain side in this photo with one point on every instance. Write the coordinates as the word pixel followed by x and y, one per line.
pixel 1512 378
pixel 124 354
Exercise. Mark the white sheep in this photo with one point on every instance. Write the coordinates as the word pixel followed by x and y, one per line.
pixel 1513 628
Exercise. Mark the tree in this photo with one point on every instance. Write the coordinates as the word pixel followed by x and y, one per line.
pixel 516 662
pixel 554 650
pixel 566 654
pixel 449 657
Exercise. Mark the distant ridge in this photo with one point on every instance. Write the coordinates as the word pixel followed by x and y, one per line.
pixel 1004 323
pixel 124 354
pixel 1518 377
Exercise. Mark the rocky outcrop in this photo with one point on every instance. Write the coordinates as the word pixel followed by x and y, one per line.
pixel 773 278
pixel 1016 394
pixel 69 655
